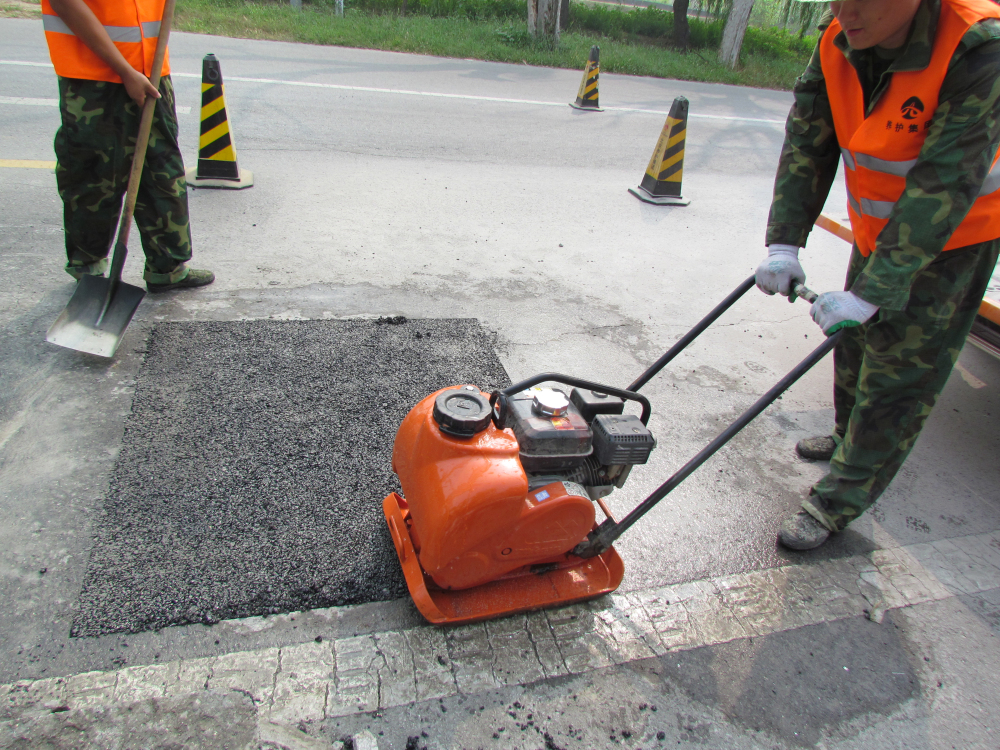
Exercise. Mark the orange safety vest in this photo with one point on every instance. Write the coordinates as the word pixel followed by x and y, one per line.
pixel 133 26
pixel 879 150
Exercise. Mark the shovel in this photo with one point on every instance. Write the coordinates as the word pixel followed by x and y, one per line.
pixel 100 309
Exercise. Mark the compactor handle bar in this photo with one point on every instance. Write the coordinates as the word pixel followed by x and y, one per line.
pixel 605 535
pixel 797 291
pixel 499 399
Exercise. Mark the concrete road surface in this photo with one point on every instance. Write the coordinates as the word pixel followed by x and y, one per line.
pixel 391 184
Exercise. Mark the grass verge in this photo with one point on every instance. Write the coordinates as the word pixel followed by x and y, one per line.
pixel 21 8
pixel 482 39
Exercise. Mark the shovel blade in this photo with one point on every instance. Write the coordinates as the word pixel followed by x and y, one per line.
pixel 78 327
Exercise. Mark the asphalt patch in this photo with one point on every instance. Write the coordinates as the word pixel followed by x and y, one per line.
pixel 800 685
pixel 254 464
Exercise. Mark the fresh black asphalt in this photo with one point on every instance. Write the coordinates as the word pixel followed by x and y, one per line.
pixel 254 463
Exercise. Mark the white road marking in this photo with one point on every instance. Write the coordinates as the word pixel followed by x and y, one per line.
pixel 27 101
pixel 439 95
pixel 25 62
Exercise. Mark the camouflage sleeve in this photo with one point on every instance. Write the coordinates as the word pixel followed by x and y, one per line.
pixel 808 162
pixel 949 172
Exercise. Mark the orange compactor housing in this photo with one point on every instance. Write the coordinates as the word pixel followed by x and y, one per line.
pixel 478 536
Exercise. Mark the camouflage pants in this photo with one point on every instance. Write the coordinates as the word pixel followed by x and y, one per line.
pixel 94 148
pixel 888 375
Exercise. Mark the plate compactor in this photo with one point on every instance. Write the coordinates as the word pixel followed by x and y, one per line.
pixel 497 512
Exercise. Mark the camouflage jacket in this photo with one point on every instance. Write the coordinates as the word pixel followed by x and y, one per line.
pixel 940 188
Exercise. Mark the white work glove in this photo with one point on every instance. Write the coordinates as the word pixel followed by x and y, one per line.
pixel 779 271
pixel 833 311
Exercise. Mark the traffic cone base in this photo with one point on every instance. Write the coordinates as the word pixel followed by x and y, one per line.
pixel 658 200
pixel 245 180
pixel 661 185
pixel 217 165
pixel 587 96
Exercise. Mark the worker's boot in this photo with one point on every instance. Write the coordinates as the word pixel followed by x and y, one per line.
pixel 193 279
pixel 802 531
pixel 820 448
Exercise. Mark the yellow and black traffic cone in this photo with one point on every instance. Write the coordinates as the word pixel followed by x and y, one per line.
pixel 217 167
pixel 586 97
pixel 662 182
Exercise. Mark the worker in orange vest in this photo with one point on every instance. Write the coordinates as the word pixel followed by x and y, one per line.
pixel 102 51
pixel 906 94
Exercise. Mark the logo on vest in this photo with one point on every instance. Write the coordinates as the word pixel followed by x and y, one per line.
pixel 912 108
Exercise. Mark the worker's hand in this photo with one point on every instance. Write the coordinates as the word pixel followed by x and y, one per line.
pixel 833 311
pixel 779 271
pixel 138 86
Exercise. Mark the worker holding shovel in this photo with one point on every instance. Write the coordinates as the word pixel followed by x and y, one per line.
pixel 907 94
pixel 102 51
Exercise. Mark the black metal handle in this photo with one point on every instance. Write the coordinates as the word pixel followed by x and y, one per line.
pixel 555 377
pixel 604 536
pixel 691 335
pixel 499 408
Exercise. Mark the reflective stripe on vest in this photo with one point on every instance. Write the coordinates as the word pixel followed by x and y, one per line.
pixel 117 33
pixel 880 147
pixel 883 209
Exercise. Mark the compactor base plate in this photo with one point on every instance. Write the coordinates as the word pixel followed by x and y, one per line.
pixel 573 580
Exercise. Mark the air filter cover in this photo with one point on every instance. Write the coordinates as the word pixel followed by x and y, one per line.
pixel 621 439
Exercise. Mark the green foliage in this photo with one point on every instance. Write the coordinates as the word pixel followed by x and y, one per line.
pixel 650 25
pixel 474 10
pixel 518 37
pixel 777 44
pixel 613 22
pixel 805 14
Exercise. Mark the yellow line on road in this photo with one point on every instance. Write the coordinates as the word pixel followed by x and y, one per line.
pixel 27 164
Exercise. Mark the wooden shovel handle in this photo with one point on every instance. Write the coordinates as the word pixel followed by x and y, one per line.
pixel 145 123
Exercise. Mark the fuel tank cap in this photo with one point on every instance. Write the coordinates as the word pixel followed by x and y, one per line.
pixel 462 412
pixel 548 402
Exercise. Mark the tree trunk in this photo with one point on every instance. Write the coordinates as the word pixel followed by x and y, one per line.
pixel 732 35
pixel 681 31
pixel 543 19
pixel 564 14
